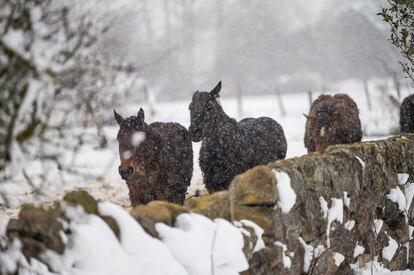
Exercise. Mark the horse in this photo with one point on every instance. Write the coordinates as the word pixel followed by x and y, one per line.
pixel 156 159
pixel 332 120
pixel 229 147
pixel 407 115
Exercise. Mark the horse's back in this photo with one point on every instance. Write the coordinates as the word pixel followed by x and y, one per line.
pixel 176 146
pixel 266 137
pixel 171 130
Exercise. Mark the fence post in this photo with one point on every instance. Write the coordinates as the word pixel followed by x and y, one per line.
pixel 280 102
pixel 310 98
pixel 397 85
pixel 367 95
pixel 149 100
pixel 239 96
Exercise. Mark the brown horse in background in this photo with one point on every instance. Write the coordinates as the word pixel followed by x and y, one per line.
pixel 332 120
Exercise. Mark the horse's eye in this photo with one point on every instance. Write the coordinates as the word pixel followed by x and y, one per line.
pixel 209 104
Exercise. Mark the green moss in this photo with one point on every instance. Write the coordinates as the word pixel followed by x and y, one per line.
pixel 83 198
pixel 212 206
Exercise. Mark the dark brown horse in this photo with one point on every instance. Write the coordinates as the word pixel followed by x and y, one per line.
pixel 156 159
pixel 407 115
pixel 332 120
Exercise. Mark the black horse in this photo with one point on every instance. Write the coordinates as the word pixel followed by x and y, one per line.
pixel 407 115
pixel 156 159
pixel 230 147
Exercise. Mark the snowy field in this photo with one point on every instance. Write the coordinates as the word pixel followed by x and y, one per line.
pixel 97 168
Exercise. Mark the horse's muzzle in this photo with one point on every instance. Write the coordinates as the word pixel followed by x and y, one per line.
pixel 126 173
pixel 195 134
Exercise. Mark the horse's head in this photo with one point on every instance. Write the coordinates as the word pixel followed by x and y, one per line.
pixel 202 108
pixel 131 133
pixel 323 116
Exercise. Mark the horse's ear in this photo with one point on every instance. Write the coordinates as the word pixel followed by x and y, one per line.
pixel 141 115
pixel 118 117
pixel 215 93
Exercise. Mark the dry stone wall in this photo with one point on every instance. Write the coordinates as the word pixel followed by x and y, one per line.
pixel 351 202
pixel 321 213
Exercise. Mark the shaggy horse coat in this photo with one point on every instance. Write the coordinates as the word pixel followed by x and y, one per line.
pixel 156 159
pixel 407 115
pixel 332 120
pixel 230 147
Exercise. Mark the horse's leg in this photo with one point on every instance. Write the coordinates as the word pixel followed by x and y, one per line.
pixel 139 193
pixel 218 179
pixel 175 189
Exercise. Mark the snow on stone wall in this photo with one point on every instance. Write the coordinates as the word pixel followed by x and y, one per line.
pixel 196 245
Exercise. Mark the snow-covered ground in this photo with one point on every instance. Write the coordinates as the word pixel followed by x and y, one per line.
pixel 97 168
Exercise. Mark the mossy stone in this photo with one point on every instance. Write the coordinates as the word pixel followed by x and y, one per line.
pixel 213 206
pixel 256 187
